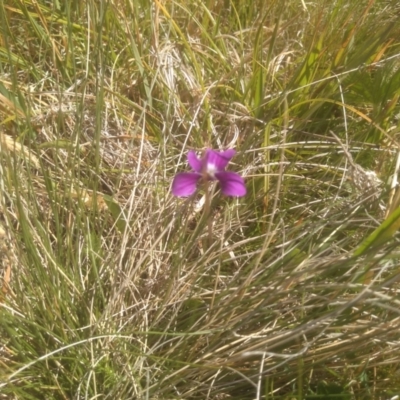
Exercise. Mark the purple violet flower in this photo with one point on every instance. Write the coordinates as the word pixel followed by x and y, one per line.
pixel 210 167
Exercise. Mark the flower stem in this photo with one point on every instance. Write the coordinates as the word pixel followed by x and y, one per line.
pixel 207 211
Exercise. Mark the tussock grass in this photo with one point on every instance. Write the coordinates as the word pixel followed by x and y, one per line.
pixel 114 289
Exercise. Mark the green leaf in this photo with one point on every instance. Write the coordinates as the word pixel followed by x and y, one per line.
pixel 116 213
pixel 382 234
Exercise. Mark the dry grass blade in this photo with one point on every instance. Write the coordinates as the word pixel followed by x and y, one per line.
pixel 10 145
pixel 364 180
pixel 110 286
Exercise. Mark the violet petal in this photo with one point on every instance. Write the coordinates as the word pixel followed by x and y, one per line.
pixel 218 160
pixel 194 161
pixel 184 183
pixel 232 184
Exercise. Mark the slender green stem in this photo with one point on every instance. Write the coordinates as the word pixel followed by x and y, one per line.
pixel 207 211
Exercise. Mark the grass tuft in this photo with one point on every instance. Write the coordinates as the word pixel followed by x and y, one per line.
pixel 111 287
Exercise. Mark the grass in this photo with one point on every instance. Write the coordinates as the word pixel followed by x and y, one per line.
pixel 111 287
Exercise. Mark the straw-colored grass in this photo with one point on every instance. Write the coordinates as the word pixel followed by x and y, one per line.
pixel 114 289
